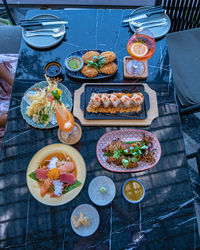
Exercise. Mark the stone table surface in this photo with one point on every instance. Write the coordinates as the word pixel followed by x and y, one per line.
pixel 165 219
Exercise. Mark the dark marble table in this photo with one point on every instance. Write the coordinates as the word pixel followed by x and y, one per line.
pixel 165 219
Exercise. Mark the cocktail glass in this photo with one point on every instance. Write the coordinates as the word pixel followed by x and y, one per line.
pixel 70 131
pixel 141 47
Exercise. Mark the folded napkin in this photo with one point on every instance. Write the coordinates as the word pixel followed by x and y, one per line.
pixel 184 55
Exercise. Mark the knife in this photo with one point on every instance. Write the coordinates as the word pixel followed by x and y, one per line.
pixel 140 16
pixel 40 23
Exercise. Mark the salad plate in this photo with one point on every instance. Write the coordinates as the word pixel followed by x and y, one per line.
pixel 65 98
pixel 126 136
pixel 36 161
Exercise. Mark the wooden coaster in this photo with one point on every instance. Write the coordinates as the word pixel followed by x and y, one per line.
pixel 152 113
pixel 70 140
pixel 128 72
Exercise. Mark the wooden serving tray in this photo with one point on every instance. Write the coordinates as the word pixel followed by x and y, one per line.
pixel 129 75
pixel 152 113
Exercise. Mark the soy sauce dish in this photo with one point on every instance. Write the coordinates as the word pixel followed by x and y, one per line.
pixel 74 63
pixel 133 190
pixel 53 69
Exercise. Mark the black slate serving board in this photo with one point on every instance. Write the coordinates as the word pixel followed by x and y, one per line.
pixel 117 88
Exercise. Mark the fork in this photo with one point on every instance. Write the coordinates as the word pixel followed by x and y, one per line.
pixel 55 35
pixel 54 30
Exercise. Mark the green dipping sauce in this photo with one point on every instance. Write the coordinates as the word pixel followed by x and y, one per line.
pixel 74 63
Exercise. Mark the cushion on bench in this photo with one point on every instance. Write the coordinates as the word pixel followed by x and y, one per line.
pixel 184 55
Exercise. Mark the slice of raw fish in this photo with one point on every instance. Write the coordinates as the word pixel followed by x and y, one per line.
pixel 67 178
pixel 44 188
pixel 41 174
pixel 68 167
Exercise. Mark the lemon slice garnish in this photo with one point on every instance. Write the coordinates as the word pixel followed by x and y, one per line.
pixel 139 49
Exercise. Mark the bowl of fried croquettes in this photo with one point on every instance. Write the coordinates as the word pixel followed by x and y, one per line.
pixel 98 64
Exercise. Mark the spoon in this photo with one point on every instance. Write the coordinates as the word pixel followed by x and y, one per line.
pixel 57 35
pixel 55 30
pixel 139 24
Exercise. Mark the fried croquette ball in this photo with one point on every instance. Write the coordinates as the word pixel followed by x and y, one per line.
pixel 89 56
pixel 89 71
pixel 109 68
pixel 109 56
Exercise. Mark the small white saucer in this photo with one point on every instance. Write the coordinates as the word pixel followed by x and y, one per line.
pixel 92 214
pixel 94 190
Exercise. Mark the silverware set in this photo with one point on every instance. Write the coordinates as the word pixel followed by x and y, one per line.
pixel 139 20
pixel 36 27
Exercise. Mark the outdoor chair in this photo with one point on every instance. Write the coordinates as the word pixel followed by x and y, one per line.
pixel 184 14
pixel 195 155
pixel 184 56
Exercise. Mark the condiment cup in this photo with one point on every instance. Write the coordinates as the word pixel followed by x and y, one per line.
pixel 136 180
pixel 68 59
pixel 50 72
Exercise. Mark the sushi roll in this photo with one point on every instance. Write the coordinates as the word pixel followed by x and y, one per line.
pixel 114 100
pixel 105 100
pixel 95 100
pixel 126 101
pixel 137 99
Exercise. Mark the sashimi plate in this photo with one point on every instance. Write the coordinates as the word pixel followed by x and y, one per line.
pixel 66 98
pixel 127 135
pixel 33 186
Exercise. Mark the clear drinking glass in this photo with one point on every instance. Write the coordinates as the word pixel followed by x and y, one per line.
pixel 140 47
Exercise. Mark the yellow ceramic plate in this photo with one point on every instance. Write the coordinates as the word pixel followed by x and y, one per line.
pixel 42 154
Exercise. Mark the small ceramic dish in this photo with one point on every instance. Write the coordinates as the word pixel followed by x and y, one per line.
pixel 74 63
pixel 101 190
pixel 53 69
pixel 93 215
pixel 133 190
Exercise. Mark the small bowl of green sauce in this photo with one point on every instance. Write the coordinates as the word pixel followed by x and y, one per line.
pixel 74 63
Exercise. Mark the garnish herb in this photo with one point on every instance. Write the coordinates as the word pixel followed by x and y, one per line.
pixel 107 154
pixel 33 176
pixel 45 114
pixel 116 154
pixel 56 93
pixel 125 163
pixel 100 62
pixel 71 187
